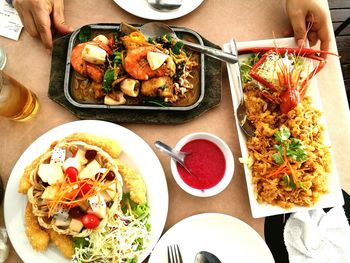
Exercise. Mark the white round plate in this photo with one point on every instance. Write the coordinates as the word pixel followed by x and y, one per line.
pixel 142 9
pixel 227 237
pixel 135 151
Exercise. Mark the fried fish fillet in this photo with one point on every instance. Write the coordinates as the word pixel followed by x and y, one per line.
pixel 24 183
pixel 107 144
pixel 63 242
pixel 134 183
pixel 38 237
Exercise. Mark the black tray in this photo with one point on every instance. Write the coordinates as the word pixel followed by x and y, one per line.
pixel 212 93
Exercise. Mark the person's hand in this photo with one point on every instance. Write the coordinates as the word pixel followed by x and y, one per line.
pixel 38 16
pixel 312 15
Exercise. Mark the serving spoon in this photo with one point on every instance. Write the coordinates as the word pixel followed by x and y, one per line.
pixel 206 257
pixel 157 29
pixel 241 112
pixel 178 156
pixel 165 5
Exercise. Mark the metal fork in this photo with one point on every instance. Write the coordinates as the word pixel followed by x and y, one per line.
pixel 174 255
pixel 241 112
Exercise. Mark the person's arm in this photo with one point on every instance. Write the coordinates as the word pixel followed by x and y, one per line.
pixel 312 15
pixel 38 15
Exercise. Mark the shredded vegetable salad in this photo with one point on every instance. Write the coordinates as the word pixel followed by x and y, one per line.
pixel 123 239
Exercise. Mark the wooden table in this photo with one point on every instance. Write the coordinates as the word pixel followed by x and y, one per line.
pixel 218 21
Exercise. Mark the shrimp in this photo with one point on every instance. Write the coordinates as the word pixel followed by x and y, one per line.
pixel 84 68
pixel 137 66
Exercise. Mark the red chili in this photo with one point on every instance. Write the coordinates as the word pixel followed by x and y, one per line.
pixel 106 48
pixel 111 42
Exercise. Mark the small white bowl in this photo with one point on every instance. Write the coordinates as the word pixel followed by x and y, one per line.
pixel 228 171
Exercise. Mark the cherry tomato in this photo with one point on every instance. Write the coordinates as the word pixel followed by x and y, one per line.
pixel 72 173
pixel 76 212
pixel 85 185
pixel 90 221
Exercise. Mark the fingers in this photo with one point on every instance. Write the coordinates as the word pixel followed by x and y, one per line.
pixel 26 18
pixel 313 38
pixel 43 26
pixel 297 19
pixel 35 16
pixel 58 18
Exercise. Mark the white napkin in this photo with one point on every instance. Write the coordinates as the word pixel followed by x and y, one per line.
pixel 10 23
pixel 315 236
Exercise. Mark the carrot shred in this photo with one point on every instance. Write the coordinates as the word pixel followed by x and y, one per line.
pixel 71 194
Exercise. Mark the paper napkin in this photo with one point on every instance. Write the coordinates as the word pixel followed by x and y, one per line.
pixel 10 23
pixel 315 236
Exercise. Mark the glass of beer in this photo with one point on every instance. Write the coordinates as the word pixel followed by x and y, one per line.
pixel 16 101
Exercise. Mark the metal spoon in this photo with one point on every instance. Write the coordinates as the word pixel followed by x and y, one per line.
pixel 241 112
pixel 206 257
pixel 178 156
pixel 165 5
pixel 157 29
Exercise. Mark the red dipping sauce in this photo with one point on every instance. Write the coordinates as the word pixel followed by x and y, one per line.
pixel 206 162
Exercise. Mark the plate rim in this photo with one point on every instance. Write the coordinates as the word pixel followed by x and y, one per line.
pixel 52 135
pixel 209 216
pixel 148 12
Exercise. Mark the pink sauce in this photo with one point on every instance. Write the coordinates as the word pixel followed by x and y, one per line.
pixel 206 162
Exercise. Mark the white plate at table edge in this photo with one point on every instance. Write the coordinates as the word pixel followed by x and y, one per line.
pixel 135 149
pixel 142 9
pixel 225 236
pixel 334 197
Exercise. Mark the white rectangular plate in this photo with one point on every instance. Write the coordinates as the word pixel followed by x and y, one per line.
pixel 334 197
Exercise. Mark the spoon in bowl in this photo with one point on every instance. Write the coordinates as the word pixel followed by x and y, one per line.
pixel 206 257
pixel 178 156
pixel 157 29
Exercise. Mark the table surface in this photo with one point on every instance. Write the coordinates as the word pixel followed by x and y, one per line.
pixel 30 63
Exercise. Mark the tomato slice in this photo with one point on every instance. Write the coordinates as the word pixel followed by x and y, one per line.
pixel 72 174
pixel 85 186
pixel 90 221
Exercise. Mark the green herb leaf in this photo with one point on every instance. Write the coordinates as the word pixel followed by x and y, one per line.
pixel 85 34
pixel 278 158
pixel 108 78
pixel 169 38
pixel 117 58
pixel 282 135
pixel 292 184
pixel 80 242
pixel 286 180
pixel 156 101
pixel 295 150
pixel 245 68
pixel 294 147
pixel 177 47
pixel 140 212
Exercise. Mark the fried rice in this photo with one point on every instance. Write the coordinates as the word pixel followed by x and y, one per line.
pixel 310 176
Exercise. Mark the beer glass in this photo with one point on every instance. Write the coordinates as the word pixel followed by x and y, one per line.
pixel 16 101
